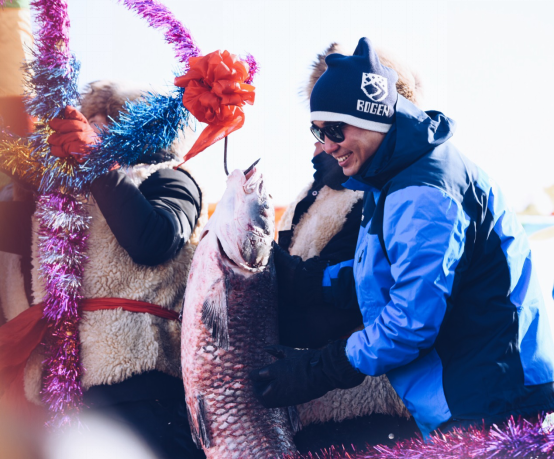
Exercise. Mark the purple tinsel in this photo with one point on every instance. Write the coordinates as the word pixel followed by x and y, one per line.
pixel 176 34
pixel 516 439
pixel 52 81
pixel 62 246
pixel 253 68
pixel 53 36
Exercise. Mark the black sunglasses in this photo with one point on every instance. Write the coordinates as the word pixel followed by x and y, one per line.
pixel 332 131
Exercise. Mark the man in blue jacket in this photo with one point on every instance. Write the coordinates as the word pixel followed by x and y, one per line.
pixel 443 273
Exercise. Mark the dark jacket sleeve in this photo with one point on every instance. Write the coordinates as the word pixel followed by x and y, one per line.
pixel 15 226
pixel 154 221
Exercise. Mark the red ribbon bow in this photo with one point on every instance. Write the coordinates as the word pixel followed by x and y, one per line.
pixel 215 91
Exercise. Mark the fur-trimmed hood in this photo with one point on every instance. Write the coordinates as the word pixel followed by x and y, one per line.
pixel 108 97
pixel 409 83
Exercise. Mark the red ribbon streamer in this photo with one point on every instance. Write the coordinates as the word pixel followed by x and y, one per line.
pixel 20 336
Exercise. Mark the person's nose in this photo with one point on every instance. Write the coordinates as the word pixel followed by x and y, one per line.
pixel 329 146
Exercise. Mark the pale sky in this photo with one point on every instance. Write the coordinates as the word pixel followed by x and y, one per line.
pixel 486 64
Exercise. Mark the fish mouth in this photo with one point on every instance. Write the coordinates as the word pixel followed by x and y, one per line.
pixel 247 171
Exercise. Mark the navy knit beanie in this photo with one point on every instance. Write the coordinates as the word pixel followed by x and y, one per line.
pixel 357 90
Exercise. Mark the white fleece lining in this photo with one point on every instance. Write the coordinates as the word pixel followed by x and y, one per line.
pixel 353 121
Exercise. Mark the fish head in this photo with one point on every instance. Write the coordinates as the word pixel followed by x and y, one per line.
pixel 244 220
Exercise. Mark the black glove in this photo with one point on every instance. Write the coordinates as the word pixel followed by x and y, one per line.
pixel 300 282
pixel 301 375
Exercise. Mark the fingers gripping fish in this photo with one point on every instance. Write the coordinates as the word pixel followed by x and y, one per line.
pixel 229 316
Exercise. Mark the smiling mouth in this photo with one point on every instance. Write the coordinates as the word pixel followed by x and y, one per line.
pixel 342 159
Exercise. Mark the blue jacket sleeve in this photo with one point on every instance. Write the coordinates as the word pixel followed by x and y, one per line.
pixel 424 233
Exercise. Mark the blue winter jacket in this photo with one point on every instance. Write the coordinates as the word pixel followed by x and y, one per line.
pixel 452 309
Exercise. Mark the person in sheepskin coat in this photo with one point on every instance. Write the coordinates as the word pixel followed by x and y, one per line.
pixel 145 224
pixel 323 222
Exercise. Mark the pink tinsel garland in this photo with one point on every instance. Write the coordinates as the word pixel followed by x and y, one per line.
pixel 62 236
pixel 53 33
pixel 516 439
pixel 159 17
pixel 176 34
pixel 62 245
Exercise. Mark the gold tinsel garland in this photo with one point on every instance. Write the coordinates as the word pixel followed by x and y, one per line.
pixel 18 160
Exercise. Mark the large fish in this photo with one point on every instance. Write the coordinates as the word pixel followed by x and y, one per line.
pixel 229 316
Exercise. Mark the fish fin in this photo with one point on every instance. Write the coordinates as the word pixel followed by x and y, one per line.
pixel 201 418
pixel 294 417
pixel 198 429
pixel 214 314
pixel 194 430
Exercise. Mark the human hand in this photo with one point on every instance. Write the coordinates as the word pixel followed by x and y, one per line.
pixel 73 137
pixel 301 375
pixel 291 380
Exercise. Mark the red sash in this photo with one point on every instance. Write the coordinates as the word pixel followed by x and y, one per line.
pixel 21 335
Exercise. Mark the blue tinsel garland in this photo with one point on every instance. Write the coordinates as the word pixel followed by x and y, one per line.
pixel 142 135
pixel 48 91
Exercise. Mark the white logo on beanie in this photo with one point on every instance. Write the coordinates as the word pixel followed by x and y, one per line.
pixel 374 86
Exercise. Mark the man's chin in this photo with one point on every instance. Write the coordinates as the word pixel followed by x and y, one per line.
pixel 349 171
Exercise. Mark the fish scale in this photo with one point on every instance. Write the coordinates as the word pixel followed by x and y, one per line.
pixel 226 418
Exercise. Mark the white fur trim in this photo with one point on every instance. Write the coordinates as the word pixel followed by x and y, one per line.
pixel 352 120
pixel 141 172
pixel 32 382
pixel 374 395
pixel 285 222
pixel 325 218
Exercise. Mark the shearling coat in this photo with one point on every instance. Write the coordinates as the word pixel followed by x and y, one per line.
pixel 324 220
pixel 116 344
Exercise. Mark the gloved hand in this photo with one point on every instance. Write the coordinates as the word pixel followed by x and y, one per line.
pixel 301 375
pixel 73 137
pixel 300 282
